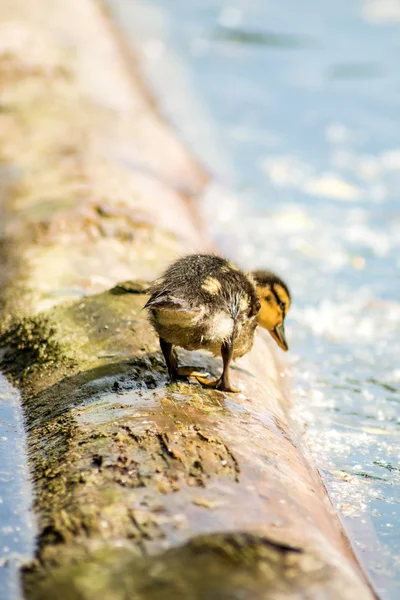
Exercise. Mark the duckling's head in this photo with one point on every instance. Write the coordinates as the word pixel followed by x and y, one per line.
pixel 274 299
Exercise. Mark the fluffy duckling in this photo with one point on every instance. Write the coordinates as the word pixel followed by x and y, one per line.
pixel 204 302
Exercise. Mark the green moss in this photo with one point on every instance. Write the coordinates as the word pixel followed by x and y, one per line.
pixel 92 332
pixel 223 566
pixel 32 343
pixel 87 472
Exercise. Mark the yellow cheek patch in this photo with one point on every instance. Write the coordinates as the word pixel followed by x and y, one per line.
pixel 212 286
pixel 269 316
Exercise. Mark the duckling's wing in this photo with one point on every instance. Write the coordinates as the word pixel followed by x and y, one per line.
pixel 170 305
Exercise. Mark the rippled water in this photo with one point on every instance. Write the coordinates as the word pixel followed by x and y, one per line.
pixel 16 524
pixel 294 108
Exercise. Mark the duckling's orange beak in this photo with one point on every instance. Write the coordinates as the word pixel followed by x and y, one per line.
pixel 278 333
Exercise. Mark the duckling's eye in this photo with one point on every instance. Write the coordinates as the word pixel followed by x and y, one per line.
pixel 282 305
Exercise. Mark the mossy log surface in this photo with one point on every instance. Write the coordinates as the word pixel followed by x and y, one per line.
pixel 143 490
pixel 141 486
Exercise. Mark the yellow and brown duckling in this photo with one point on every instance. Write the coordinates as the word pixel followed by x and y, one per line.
pixel 204 302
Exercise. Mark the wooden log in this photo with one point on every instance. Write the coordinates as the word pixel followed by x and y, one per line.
pixel 143 490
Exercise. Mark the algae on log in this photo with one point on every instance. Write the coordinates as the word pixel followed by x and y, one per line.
pixel 143 490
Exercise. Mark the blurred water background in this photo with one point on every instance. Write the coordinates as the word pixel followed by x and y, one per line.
pixel 294 108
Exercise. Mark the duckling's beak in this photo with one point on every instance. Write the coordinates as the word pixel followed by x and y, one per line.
pixel 279 336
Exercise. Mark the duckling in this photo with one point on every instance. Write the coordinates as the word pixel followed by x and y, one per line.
pixel 204 302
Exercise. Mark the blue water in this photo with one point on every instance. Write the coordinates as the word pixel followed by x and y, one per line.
pixel 16 522
pixel 294 108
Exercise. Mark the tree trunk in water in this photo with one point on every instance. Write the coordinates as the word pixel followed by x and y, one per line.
pixel 144 490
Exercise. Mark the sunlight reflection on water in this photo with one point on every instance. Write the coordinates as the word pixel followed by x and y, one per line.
pixel 295 112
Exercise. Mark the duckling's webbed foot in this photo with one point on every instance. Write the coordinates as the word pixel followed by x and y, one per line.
pixel 184 372
pixel 175 373
pixel 223 383
pixel 218 384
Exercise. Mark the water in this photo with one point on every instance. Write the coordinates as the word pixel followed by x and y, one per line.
pixel 16 522
pixel 294 109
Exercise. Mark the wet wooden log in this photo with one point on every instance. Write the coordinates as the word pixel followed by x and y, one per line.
pixel 144 490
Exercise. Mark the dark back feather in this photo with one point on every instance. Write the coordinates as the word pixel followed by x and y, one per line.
pixel 205 279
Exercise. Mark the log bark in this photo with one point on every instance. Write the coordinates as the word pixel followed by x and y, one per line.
pixel 144 490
